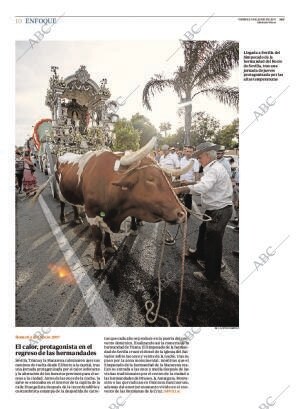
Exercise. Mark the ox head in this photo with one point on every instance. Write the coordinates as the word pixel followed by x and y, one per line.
pixel 146 190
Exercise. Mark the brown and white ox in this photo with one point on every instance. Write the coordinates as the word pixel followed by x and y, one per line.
pixel 112 187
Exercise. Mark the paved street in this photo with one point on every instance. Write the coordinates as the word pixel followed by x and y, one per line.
pixel 56 284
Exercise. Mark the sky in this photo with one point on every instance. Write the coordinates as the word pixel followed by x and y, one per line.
pixel 127 65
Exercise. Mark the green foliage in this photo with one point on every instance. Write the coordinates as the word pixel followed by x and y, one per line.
pixel 228 135
pixel 164 127
pixel 127 138
pixel 204 128
pixel 207 65
pixel 144 127
pixel 172 140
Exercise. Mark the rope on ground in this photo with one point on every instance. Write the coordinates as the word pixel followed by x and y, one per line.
pixel 149 305
pixel 184 233
pixel 203 218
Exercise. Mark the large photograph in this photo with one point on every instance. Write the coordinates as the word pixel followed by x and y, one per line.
pixel 127 184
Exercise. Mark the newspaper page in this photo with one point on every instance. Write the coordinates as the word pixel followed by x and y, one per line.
pixel 135 135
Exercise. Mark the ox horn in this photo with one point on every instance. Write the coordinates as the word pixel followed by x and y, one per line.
pixel 130 158
pixel 178 172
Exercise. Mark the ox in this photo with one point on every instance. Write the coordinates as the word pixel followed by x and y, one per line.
pixel 112 187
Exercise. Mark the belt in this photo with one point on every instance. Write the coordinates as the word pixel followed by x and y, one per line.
pixel 222 208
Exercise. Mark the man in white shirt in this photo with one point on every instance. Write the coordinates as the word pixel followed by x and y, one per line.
pixel 222 160
pixel 167 160
pixel 191 176
pixel 215 188
pixel 174 153
pixel 236 198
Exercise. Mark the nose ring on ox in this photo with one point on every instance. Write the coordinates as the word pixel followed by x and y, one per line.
pixel 181 216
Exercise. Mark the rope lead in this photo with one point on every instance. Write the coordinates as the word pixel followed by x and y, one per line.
pixel 149 305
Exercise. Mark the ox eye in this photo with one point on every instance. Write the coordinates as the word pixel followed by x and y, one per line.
pixel 151 180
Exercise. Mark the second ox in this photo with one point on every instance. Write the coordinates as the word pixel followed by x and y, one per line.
pixel 112 187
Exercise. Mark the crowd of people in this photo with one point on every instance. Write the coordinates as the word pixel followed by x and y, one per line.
pixel 216 179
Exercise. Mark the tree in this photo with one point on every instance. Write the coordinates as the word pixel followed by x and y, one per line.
pixel 204 128
pixel 175 139
pixel 127 138
pixel 228 135
pixel 207 65
pixel 171 140
pixel 164 127
pixel 144 127
pixel 180 135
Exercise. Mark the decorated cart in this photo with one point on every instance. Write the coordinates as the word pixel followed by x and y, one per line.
pixel 82 117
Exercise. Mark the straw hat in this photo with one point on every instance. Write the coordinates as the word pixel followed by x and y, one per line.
pixel 205 147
